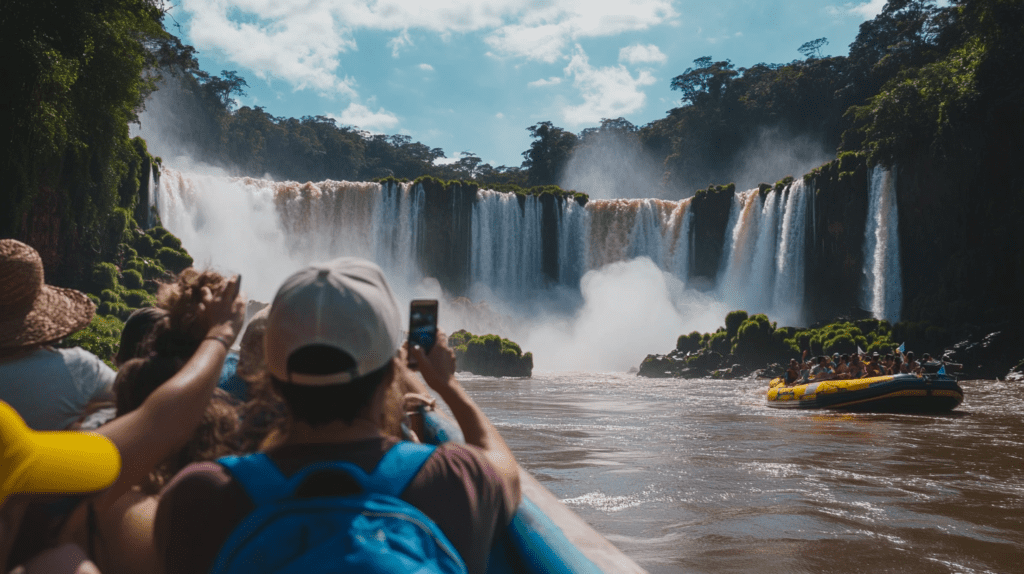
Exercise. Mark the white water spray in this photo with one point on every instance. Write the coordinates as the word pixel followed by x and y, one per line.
pixel 882 291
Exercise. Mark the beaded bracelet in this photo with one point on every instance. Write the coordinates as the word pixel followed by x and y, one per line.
pixel 222 340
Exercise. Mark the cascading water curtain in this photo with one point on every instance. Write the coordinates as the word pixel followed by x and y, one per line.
pixel 882 291
pixel 507 246
pixel 788 297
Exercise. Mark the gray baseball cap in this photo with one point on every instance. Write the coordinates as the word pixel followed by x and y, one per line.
pixel 346 304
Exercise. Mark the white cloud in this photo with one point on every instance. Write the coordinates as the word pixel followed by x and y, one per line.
pixel 362 117
pixel 302 41
pixel 298 46
pixel 403 40
pixel 553 81
pixel 544 43
pixel 866 10
pixel 499 115
pixel 545 29
pixel 637 54
pixel 426 67
pixel 607 92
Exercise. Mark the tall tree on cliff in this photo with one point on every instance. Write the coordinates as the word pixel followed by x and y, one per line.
pixel 73 81
pixel 548 154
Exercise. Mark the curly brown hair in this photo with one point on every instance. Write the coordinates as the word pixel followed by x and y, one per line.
pixel 181 300
pixel 171 343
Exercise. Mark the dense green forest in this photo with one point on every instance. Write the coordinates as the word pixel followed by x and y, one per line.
pixel 933 89
pixel 918 77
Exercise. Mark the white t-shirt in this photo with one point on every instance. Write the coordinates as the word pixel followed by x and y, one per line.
pixel 50 388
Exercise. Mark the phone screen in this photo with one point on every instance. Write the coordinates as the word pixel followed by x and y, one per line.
pixel 423 323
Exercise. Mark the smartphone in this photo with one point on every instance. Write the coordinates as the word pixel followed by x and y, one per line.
pixel 422 325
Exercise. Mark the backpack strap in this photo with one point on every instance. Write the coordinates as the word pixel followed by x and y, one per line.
pixel 398 467
pixel 258 476
pixel 264 483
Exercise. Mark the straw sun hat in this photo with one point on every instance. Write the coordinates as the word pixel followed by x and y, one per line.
pixel 32 312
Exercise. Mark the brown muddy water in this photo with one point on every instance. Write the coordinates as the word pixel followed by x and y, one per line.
pixel 700 476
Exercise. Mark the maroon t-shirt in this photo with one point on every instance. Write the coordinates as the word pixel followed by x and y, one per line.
pixel 457 488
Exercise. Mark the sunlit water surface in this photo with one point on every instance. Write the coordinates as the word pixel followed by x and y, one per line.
pixel 701 476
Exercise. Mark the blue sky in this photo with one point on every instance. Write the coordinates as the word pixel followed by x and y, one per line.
pixel 473 76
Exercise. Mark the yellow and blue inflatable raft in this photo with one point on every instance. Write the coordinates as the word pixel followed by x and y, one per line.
pixel 890 393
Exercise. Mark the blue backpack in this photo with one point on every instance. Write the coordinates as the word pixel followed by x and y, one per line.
pixel 372 531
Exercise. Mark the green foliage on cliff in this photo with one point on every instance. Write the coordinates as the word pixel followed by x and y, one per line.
pixel 490 355
pixel 101 337
pixel 756 340
pixel 73 80
pixel 128 283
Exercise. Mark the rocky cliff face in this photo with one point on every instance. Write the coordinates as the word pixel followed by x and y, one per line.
pixel 834 273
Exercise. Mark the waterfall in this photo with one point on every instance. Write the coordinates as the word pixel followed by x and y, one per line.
pixel 573 229
pixel 265 229
pixel 788 295
pixel 761 278
pixel 507 251
pixel 623 229
pixel 738 253
pixel 882 291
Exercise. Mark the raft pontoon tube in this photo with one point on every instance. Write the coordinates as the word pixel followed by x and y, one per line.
pixel 890 393
pixel 545 536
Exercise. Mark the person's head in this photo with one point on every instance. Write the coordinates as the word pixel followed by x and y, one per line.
pixel 910 356
pixel 331 338
pixel 822 360
pixel 137 328
pixel 888 358
pixel 926 357
pixel 252 361
pixel 216 434
pixel 855 359
pixel 182 332
pixel 845 358
pixel 793 363
pixel 33 313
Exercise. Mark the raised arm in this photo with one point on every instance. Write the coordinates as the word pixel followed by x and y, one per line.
pixel 438 370
pixel 167 418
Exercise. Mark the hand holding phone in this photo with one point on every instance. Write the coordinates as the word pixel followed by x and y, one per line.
pixel 422 325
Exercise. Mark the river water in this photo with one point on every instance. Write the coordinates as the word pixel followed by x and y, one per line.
pixel 701 476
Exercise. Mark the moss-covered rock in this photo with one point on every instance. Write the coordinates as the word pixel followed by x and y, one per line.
pixel 174 260
pixel 490 355
pixel 104 276
pixel 132 279
pixel 101 337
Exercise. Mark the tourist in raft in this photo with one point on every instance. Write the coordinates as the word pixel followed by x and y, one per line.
pixel 857 369
pixel 115 526
pixel 137 327
pixel 821 371
pixel 874 367
pixel 333 347
pixel 793 372
pixel 887 364
pixel 50 388
pixel 842 366
pixel 911 366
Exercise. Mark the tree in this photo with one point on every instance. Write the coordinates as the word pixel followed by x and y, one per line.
pixel 812 49
pixel 707 79
pixel 229 83
pixel 548 154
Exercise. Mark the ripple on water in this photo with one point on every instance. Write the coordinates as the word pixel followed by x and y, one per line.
pixel 701 476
